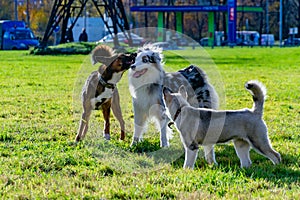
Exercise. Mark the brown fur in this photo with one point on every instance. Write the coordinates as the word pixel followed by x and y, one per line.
pixel 110 73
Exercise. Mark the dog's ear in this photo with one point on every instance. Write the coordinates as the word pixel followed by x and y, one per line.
pixel 166 91
pixel 133 54
pixel 102 68
pixel 182 91
pixel 103 59
pixel 167 94
pixel 155 58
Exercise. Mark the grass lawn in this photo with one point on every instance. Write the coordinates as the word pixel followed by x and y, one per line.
pixel 40 112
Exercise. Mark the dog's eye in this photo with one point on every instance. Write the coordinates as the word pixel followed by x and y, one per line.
pixel 144 59
pixel 151 59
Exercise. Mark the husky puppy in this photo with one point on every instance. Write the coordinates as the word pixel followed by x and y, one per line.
pixel 200 94
pixel 200 126
pixel 146 80
pixel 100 91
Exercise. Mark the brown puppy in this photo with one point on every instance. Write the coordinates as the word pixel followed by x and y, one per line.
pixel 100 91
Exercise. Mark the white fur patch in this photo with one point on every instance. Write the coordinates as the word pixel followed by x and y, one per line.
pixel 116 77
pixel 151 48
pixel 153 72
pixel 104 95
pixel 151 76
pixel 260 85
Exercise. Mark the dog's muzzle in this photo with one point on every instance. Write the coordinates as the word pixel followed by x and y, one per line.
pixel 133 67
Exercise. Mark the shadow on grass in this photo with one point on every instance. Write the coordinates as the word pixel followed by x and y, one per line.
pixel 287 172
pixel 146 156
pixel 206 59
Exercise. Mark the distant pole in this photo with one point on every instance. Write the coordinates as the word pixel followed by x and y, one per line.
pixel 146 19
pixel 16 10
pixel 27 13
pixel 84 18
pixel 299 18
pixel 280 23
pixel 267 16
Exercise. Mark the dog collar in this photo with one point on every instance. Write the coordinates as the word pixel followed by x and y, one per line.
pixel 175 117
pixel 177 114
pixel 105 84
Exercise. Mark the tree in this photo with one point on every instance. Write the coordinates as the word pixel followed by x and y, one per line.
pixel 7 10
pixel 39 12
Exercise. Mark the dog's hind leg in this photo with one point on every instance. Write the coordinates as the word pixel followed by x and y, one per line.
pixel 209 154
pixel 115 106
pixel 273 155
pixel 190 158
pixel 84 123
pixel 106 115
pixel 261 143
pixel 264 148
pixel 242 149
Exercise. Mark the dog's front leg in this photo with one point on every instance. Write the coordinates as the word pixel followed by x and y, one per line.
pixel 164 141
pixel 190 158
pixel 115 106
pixel 209 154
pixel 137 135
pixel 140 119
pixel 84 124
pixel 106 115
pixel 159 112
pixel 139 128
pixel 242 149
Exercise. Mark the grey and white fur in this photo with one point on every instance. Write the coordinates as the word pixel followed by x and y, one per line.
pixel 146 80
pixel 199 126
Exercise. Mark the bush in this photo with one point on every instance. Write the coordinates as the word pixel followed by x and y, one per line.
pixel 75 48
pixel 68 48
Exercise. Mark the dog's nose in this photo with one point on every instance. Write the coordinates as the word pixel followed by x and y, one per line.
pixel 133 67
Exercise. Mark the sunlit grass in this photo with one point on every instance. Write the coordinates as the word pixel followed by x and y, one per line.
pixel 39 116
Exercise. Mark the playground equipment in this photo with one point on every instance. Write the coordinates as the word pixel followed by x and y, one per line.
pixel 231 9
pixel 113 14
pixel 109 10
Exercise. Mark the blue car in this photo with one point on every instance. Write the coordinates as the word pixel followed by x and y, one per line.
pixel 16 36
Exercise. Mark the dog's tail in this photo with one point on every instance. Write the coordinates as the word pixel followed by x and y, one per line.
pixel 258 91
pixel 102 54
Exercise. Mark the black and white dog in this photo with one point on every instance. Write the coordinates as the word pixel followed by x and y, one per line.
pixel 146 78
pixel 146 81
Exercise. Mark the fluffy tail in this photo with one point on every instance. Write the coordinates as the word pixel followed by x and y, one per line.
pixel 258 91
pixel 102 54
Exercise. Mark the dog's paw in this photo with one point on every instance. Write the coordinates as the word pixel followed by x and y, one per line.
pixel 77 139
pixel 135 141
pixel 165 145
pixel 106 136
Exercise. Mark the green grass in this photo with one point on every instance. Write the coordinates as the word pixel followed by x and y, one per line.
pixel 40 111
